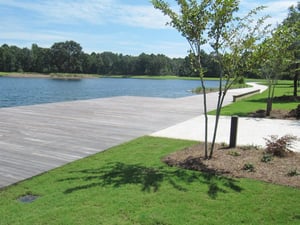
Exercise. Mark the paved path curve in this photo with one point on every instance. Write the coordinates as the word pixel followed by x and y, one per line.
pixel 251 131
pixel 37 138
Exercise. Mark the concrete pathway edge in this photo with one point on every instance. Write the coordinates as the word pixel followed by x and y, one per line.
pixel 251 131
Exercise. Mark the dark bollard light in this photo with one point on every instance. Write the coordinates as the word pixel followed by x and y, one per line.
pixel 233 131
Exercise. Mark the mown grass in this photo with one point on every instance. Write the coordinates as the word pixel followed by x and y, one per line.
pixel 3 74
pixel 259 101
pixel 129 184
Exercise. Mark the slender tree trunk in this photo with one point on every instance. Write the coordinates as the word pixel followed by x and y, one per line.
pixel 270 98
pixel 269 106
pixel 215 133
pixel 296 77
pixel 204 104
pixel 218 111
pixel 205 119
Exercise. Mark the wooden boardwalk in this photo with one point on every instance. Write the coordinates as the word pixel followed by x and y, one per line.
pixel 37 138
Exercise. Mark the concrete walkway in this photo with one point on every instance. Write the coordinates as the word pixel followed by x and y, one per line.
pixel 251 131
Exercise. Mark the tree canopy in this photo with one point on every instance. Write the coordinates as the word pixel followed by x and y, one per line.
pixel 231 37
pixel 68 57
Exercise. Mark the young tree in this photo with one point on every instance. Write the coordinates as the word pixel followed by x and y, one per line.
pixel 280 54
pixel 295 62
pixel 213 21
pixel 272 61
pixel 233 42
pixel 292 22
pixel 192 22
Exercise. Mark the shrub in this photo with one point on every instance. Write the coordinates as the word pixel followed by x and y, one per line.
pixel 199 90
pixel 250 147
pixel 223 144
pixel 295 112
pixel 234 153
pixel 240 80
pixel 279 146
pixel 267 158
pixel 293 173
pixel 248 167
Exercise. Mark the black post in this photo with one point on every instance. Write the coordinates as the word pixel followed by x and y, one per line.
pixel 233 131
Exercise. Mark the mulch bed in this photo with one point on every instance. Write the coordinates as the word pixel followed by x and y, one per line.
pixel 231 162
pixel 245 161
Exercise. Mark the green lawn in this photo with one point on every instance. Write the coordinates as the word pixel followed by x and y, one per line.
pixel 3 74
pixel 129 184
pixel 244 106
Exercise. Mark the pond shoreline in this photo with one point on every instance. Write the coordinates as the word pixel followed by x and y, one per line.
pixel 54 76
pixel 27 90
pixel 25 75
pixel 84 76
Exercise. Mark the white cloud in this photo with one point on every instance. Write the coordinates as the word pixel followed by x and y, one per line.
pixel 279 6
pixel 63 11
pixel 171 49
pixel 92 11
pixel 278 9
pixel 142 16
pixel 123 26
pixel 32 36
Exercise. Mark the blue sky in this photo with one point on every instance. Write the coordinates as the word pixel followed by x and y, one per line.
pixel 120 26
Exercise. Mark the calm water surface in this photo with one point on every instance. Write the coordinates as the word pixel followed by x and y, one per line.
pixel 30 91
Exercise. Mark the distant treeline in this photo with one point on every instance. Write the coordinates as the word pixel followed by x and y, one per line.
pixel 68 57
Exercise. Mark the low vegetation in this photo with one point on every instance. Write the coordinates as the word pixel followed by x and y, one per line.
pixel 249 161
pixel 249 167
pixel 246 106
pixel 293 172
pixel 199 90
pixel 279 146
pixel 129 184
pixel 71 76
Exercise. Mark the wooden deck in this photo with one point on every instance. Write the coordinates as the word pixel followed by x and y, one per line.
pixel 35 139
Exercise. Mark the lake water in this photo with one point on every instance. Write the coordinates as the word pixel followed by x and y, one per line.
pixel 30 91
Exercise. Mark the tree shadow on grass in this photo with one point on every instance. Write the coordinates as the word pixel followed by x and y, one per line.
pixel 212 177
pixel 149 178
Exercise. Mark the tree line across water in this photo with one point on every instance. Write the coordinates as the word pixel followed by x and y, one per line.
pixel 68 57
pixel 277 56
